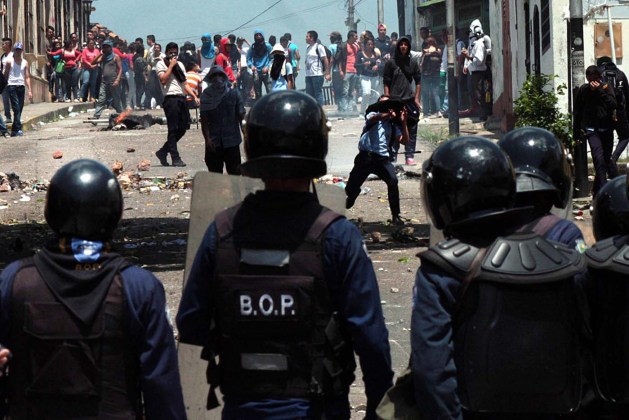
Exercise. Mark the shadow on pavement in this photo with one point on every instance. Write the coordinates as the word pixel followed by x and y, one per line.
pixel 157 244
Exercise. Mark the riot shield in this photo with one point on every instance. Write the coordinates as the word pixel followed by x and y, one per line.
pixel 213 193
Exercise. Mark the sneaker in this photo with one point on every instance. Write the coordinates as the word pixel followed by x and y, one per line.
pixel 68 100
pixel 162 158
pixel 77 100
pixel 8 120
pixel 410 161
pixel 20 133
pixel 6 134
pixel 397 221
pixel 349 202
pixel 178 162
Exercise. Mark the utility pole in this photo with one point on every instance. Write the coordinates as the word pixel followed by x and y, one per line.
pixel 453 72
pixel 577 78
pixel 380 11
pixel 349 22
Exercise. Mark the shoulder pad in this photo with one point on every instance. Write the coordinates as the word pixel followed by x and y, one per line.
pixel 530 258
pixel 610 254
pixel 453 256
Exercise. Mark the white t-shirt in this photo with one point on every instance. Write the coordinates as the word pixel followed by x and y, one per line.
pixel 313 64
pixel 5 57
pixel 174 86
pixel 17 72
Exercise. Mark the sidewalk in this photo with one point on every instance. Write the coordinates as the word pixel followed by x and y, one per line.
pixel 48 112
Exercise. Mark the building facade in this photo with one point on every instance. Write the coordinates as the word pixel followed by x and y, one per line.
pixel 27 20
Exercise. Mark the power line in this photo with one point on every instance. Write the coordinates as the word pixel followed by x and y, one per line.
pixel 289 15
pixel 257 16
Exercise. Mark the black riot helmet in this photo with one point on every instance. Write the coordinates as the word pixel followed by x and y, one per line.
pixel 466 182
pixel 286 137
pixel 84 200
pixel 610 216
pixel 541 166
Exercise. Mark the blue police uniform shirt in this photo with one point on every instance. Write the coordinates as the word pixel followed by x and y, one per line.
pixel 376 138
pixel 434 300
pixel 354 290
pixel 147 324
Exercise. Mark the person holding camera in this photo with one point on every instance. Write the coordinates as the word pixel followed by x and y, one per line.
pixel 595 113
pixel 172 76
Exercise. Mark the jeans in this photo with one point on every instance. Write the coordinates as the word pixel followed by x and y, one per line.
pixel 140 87
pixel 431 102
pixel 314 88
pixel 108 95
pixel 89 84
pixel 71 82
pixel 7 105
pixel 369 163
pixel 350 85
pixel 16 94
pixel 337 87
pixel 131 100
pixel 178 120
pixel 443 93
pixel 230 157
pixel 369 85
pixel 259 80
pixel 601 144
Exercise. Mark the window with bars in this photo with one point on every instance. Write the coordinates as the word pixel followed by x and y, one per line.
pixel 545 25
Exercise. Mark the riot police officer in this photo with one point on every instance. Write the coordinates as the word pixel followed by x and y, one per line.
pixel 493 326
pixel 283 317
pixel 608 294
pixel 88 330
pixel 543 180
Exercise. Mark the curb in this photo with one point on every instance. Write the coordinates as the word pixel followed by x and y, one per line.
pixel 51 116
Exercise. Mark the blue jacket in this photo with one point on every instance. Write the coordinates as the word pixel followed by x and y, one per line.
pixel 432 351
pixel 147 324
pixel 259 62
pixel 354 290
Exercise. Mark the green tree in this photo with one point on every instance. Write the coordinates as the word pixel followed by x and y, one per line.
pixel 537 107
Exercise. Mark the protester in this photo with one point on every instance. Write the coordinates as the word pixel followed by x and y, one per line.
pixel 430 66
pixel 172 76
pixel 70 57
pixel 476 67
pixel 18 77
pixel 400 74
pixel 293 54
pixel 206 54
pixel 337 63
pixel 222 59
pixel 258 60
pixel 595 112
pixel 139 74
pixel 90 72
pixel 281 70
pixel 111 70
pixel 384 125
pixel 7 44
pixel 317 66
pixel 368 64
pixel 351 81
pixel 222 112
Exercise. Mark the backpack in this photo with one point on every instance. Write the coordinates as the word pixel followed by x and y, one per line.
pixel 516 323
pixel 611 76
pixel 139 64
pixel 328 54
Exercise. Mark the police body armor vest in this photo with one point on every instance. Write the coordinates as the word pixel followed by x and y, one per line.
pixel 278 336
pixel 609 266
pixel 516 326
pixel 62 369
